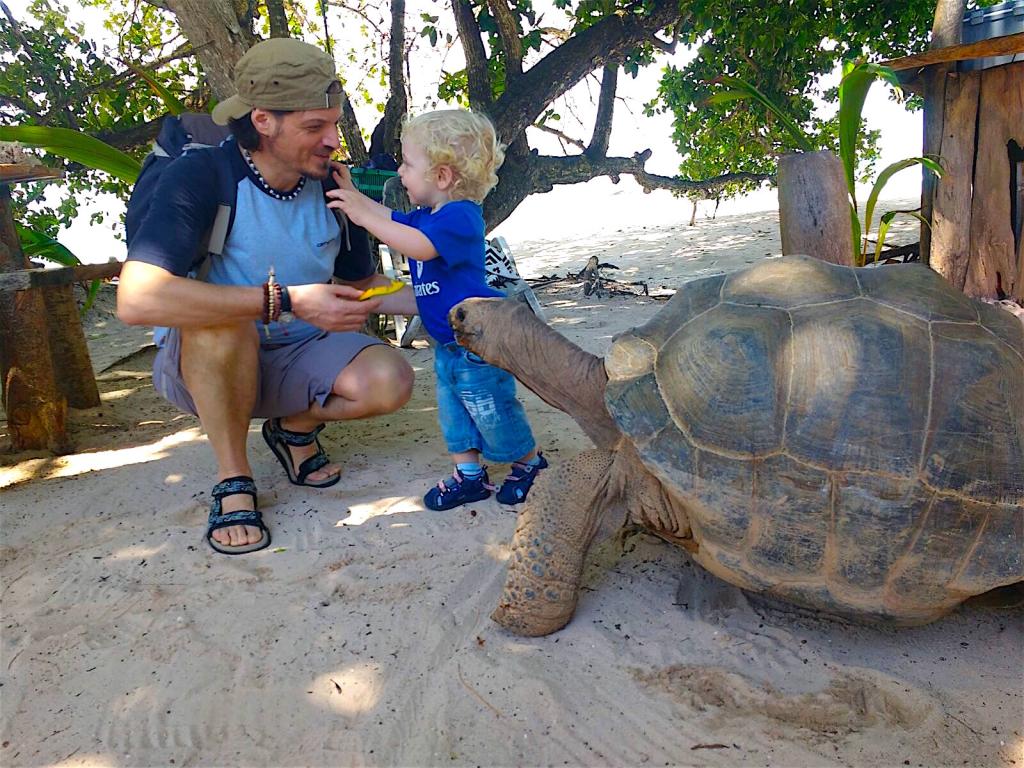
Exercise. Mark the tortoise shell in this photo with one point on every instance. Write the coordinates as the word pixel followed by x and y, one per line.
pixel 847 439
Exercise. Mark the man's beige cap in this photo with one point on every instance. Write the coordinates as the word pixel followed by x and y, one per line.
pixel 282 74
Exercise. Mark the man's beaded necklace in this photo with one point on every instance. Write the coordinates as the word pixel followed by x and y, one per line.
pixel 266 187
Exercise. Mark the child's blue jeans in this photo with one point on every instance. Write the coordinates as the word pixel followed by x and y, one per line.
pixel 477 406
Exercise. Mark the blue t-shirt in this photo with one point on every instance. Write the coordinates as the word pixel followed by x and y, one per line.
pixel 456 230
pixel 300 238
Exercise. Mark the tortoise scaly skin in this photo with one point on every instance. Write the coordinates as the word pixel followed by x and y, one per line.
pixel 847 440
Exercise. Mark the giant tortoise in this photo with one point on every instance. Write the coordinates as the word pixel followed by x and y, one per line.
pixel 847 440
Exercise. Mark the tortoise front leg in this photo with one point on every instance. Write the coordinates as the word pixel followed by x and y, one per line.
pixel 555 530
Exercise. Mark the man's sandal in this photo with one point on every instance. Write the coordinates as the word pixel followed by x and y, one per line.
pixel 279 438
pixel 232 487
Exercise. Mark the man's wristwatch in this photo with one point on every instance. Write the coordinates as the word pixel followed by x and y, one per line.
pixel 286 315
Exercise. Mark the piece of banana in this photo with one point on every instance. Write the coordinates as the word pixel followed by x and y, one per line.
pixel 381 290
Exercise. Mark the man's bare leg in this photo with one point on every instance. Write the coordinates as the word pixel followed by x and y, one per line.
pixel 220 366
pixel 377 381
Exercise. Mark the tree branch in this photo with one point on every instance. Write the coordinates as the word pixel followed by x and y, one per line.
pixel 26 107
pixel 605 111
pixel 606 41
pixel 360 13
pixel 385 135
pixel 663 45
pixel 669 46
pixel 350 131
pixel 133 136
pixel 523 176
pixel 44 73
pixel 563 137
pixel 278 19
pixel 477 73
pixel 511 43
pixel 128 74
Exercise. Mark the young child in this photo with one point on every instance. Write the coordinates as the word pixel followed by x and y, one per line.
pixel 449 158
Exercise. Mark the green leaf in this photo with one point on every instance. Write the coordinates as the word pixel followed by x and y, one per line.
pixel 853 91
pixel 722 97
pixel 883 179
pixel 172 102
pixel 741 89
pixel 75 146
pixel 35 244
pixel 858 259
pixel 90 295
pixel 886 220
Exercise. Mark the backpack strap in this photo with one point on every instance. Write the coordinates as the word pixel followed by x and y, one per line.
pixel 227 191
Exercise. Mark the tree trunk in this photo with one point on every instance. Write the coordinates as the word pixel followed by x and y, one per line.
pixel 814 207
pixel 36 408
pixel 219 37
pixel 68 349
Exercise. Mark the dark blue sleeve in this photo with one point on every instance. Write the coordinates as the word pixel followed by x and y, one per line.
pixel 180 215
pixel 456 231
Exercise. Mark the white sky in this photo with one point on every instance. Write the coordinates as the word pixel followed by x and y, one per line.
pixel 596 206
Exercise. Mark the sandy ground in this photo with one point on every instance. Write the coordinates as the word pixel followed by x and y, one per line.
pixel 362 637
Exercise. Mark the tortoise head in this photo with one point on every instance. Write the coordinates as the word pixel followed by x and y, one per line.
pixel 486 326
pixel 507 334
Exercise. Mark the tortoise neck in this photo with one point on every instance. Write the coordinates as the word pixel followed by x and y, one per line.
pixel 562 375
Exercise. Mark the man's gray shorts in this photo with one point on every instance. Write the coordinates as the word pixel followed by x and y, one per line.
pixel 291 377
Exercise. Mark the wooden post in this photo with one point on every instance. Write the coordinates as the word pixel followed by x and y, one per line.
pixel 946 31
pixel 992 269
pixel 814 207
pixel 36 408
pixel 951 205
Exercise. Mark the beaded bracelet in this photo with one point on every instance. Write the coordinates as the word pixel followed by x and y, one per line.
pixel 271 302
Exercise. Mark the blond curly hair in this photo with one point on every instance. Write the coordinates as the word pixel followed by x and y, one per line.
pixel 464 141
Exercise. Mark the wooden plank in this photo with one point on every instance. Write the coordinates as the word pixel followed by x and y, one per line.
pixel 951 211
pixel 13 173
pixel 1008 45
pixel 993 264
pixel 24 279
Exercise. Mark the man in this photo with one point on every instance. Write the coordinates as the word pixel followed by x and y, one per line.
pixel 265 332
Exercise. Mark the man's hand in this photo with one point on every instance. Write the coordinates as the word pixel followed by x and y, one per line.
pixel 331 307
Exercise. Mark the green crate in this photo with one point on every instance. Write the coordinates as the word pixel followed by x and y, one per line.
pixel 370 181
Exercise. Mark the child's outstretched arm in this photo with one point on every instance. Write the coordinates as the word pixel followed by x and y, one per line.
pixel 376 219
